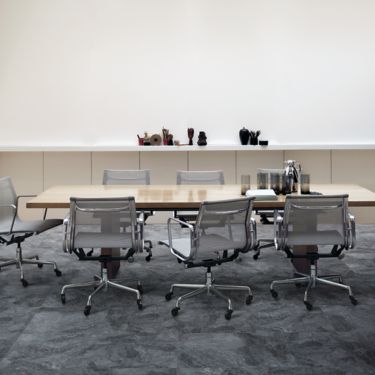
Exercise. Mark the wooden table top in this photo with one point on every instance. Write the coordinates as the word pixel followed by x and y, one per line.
pixel 169 197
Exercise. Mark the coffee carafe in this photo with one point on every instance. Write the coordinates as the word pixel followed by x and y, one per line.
pixel 292 175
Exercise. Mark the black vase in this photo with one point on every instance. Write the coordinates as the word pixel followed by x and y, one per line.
pixel 244 136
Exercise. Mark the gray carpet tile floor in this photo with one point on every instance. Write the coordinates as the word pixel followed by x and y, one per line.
pixel 39 335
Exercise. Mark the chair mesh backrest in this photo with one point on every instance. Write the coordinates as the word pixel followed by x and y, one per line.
pixel 271 170
pixel 223 225
pixel 316 220
pixel 7 196
pixel 99 220
pixel 200 178
pixel 126 177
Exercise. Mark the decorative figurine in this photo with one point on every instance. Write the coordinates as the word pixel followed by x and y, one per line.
pixel 140 140
pixel 170 139
pixel 165 135
pixel 190 135
pixel 202 139
pixel 146 140
pixel 155 140
pixel 244 136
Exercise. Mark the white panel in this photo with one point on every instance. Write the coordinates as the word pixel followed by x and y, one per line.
pixel 215 160
pixel 64 168
pixel 249 162
pixel 112 160
pixel 315 163
pixel 163 165
pixel 356 167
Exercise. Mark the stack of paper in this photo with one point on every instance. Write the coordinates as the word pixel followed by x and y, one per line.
pixel 262 194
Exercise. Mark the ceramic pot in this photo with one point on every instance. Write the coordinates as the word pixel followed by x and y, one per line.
pixel 244 136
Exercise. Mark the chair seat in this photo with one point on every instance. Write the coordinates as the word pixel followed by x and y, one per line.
pixel 32 226
pixel 102 240
pixel 328 237
pixel 207 246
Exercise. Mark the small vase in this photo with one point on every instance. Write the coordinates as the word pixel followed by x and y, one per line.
pixel 244 136
pixel 253 141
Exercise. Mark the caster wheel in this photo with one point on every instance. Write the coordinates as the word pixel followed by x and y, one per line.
pixel 131 260
pixel 62 299
pixel 256 256
pixel 308 305
pixel 273 293
pixel 140 288
pixel 87 310
pixel 228 314
pixel 248 300
pixel 139 303
pixel 353 300
pixel 40 265
pixel 175 311
pixel 24 283
pixel 148 258
pixel 58 273
pixel 168 296
pixel 179 260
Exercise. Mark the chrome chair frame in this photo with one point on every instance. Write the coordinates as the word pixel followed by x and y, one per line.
pixel 11 237
pixel 209 287
pixel 101 282
pixel 313 279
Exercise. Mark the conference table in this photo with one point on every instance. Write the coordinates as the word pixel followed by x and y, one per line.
pixel 183 197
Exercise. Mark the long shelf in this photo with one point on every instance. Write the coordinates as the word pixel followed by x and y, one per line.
pixel 136 148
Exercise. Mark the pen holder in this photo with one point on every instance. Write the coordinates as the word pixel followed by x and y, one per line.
pixel 253 141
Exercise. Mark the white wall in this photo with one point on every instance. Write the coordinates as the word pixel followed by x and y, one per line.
pixel 91 72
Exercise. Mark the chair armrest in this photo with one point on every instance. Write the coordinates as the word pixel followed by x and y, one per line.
pixel 31 196
pixel 170 237
pixel 14 215
pixel 352 233
pixel 66 233
pixel 183 223
pixel 253 234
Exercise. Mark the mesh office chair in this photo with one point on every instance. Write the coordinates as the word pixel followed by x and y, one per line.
pixel 196 178
pixel 13 230
pixel 223 229
pixel 97 223
pixel 133 177
pixel 315 221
